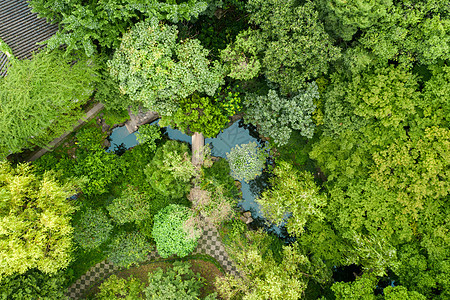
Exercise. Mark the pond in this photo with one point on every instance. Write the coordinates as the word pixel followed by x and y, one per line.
pixel 236 134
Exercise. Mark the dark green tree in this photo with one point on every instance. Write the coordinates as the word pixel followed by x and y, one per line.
pixel 84 23
pixel 289 46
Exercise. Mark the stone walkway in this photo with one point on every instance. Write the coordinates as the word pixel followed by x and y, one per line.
pixel 209 243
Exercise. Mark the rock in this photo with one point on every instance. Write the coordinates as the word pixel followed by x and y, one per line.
pixel 247 214
pixel 105 127
pixel 143 117
pixel 246 217
pixel 238 184
pixel 106 143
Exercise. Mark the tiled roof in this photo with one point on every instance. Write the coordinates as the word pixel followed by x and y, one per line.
pixel 21 30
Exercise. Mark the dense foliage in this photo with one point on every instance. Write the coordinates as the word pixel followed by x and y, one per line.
pixel 35 230
pixel 84 24
pixel 93 229
pixel 42 97
pixel 119 288
pixel 33 284
pixel 292 193
pixel 197 114
pixel 289 47
pixel 247 161
pixel 178 282
pixel 149 135
pixel 353 97
pixel 265 275
pixel 128 248
pixel 172 233
pixel 171 169
pixel 131 206
pixel 156 70
pixel 278 116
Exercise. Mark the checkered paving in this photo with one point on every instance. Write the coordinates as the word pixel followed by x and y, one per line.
pixel 209 244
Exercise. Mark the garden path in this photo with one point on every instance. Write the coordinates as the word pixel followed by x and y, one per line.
pixel 89 115
pixel 209 243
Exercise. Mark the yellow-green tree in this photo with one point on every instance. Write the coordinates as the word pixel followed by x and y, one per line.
pixel 35 230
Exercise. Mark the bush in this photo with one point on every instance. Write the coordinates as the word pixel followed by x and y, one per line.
pixel 171 170
pixel 33 285
pixel 90 138
pixel 171 234
pixel 197 114
pixel 131 206
pixel 148 134
pixel 219 175
pixel 179 282
pixel 247 161
pixel 120 288
pixel 100 168
pixel 127 249
pixel 93 229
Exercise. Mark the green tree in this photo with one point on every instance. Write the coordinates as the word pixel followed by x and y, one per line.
pixel 247 161
pixel 84 23
pixel 41 98
pixel 128 248
pixel 278 116
pixel 292 193
pixel 374 32
pixel 35 230
pixel 33 285
pixel 362 288
pixel 131 206
pixel 171 170
pixel 197 114
pixel 263 276
pixel 172 233
pixel 290 45
pixel 156 70
pixel 99 167
pixel 93 229
pixel 148 135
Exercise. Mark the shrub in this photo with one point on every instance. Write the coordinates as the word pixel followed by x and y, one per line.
pixel 131 206
pixel 229 100
pixel 219 175
pixel 100 168
pixel 90 138
pixel 119 288
pixel 171 234
pixel 148 134
pixel 93 229
pixel 197 114
pixel 179 282
pixel 127 249
pixel 246 161
pixel 212 207
pixel 171 170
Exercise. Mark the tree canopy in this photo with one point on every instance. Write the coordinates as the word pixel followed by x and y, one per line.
pixel 35 229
